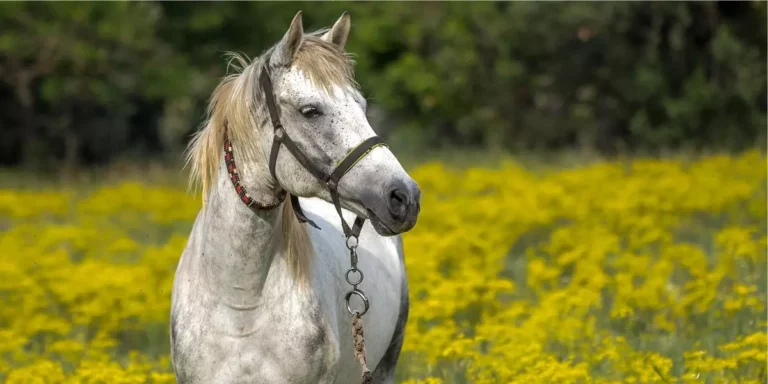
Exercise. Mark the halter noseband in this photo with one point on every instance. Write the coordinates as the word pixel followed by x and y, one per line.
pixel 281 137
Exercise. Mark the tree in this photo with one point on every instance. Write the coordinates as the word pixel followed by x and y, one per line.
pixel 76 68
pixel 91 81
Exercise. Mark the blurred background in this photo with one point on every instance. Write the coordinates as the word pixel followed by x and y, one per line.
pixel 93 83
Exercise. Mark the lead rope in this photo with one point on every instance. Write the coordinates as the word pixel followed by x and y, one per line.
pixel 354 277
pixel 357 337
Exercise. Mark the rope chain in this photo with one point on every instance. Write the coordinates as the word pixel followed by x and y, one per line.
pixel 357 317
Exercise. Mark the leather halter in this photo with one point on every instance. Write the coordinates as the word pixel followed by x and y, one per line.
pixel 330 179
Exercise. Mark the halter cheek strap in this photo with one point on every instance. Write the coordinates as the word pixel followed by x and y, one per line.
pixel 331 180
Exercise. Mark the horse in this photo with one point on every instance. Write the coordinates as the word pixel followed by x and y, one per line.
pixel 258 294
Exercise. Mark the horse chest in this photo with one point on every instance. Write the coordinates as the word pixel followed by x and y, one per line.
pixel 281 343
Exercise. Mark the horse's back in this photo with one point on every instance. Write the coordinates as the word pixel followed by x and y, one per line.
pixel 381 261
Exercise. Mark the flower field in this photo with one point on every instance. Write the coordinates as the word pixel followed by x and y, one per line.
pixel 641 271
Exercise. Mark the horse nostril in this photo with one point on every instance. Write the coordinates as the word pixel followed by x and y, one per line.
pixel 398 204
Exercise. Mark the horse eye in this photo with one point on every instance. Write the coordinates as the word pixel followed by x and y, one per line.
pixel 309 112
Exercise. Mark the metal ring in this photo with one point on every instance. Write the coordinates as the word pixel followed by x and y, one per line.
pixel 362 296
pixel 353 270
pixel 355 243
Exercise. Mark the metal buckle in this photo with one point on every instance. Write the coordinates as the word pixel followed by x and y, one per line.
pixel 360 294
pixel 352 244
pixel 349 279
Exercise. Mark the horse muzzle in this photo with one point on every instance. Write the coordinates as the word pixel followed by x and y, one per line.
pixel 396 210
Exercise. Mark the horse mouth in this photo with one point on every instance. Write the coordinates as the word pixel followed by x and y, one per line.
pixel 381 228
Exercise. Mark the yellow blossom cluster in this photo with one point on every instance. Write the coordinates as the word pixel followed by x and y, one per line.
pixel 635 271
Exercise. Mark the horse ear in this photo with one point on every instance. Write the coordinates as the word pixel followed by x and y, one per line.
pixel 339 32
pixel 289 45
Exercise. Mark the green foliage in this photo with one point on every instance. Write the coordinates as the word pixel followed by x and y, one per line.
pixel 89 81
pixel 532 74
pixel 84 65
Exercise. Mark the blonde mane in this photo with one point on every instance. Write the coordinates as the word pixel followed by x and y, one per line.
pixel 236 109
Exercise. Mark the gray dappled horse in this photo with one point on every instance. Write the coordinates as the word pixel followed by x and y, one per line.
pixel 258 295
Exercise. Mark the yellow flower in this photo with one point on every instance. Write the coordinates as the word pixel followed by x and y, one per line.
pixel 605 273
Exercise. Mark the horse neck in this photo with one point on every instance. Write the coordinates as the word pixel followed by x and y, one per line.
pixel 238 244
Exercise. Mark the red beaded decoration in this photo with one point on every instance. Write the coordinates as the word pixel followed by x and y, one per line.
pixel 229 159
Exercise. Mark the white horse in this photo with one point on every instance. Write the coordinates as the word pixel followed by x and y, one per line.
pixel 258 296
